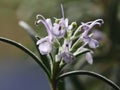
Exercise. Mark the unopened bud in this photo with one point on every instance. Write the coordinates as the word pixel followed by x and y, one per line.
pixel 57 20
pixel 74 25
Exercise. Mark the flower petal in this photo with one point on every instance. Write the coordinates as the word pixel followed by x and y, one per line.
pixel 89 58
pixel 66 22
pixel 45 48
pixel 48 21
pixel 93 43
pixel 67 56
pixel 45 45
pixel 42 40
pixel 89 25
pixel 58 30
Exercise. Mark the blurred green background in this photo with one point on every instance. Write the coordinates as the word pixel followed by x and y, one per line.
pixel 16 67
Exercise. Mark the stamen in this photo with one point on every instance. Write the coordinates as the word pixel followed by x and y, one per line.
pixel 45 24
pixel 37 22
pixel 100 20
pixel 39 15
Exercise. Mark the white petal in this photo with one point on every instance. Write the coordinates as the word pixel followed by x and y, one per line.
pixel 42 40
pixel 55 29
pixel 38 42
pixel 89 58
pixel 45 48
pixel 49 23
pixel 66 22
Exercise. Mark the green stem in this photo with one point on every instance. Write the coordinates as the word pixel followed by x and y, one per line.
pixel 54 74
pixel 89 73
pixel 53 85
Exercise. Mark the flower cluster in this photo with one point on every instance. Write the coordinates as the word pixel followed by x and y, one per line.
pixel 67 38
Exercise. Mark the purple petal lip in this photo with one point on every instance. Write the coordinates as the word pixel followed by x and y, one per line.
pixel 68 57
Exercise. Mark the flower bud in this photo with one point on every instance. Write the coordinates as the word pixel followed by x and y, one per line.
pixel 74 25
pixel 57 20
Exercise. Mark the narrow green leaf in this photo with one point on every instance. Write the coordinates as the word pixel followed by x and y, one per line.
pixel 27 51
pixel 89 73
pixel 76 83
pixel 76 54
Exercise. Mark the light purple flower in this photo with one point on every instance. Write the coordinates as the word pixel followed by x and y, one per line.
pixel 86 27
pixel 86 37
pixel 61 27
pixel 47 23
pixel 45 46
pixel 67 56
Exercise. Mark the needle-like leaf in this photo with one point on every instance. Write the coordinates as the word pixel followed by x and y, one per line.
pixel 89 73
pixel 27 51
